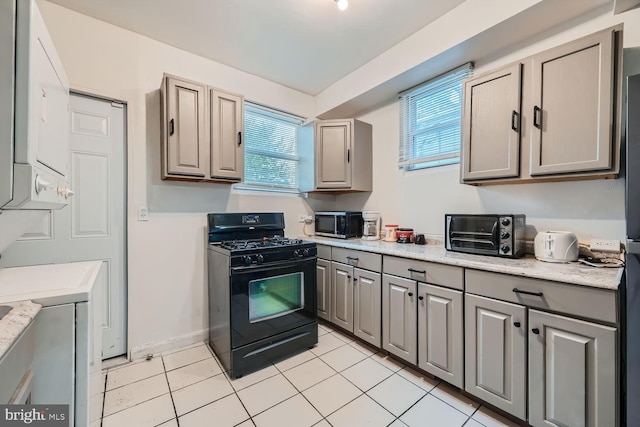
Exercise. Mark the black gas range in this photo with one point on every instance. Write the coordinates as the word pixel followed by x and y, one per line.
pixel 264 251
pixel 262 291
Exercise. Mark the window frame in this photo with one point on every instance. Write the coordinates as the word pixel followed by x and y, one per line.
pixel 280 116
pixel 407 159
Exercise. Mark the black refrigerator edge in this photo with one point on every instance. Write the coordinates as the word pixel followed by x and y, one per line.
pixel 631 356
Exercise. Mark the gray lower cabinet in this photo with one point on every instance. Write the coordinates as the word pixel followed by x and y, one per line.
pixel 496 354
pixel 355 297
pixel 323 279
pixel 366 306
pixel 440 333
pixel 342 295
pixel 572 372
pixel 399 317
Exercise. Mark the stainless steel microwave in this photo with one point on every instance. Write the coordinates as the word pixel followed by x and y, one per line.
pixel 497 235
pixel 343 225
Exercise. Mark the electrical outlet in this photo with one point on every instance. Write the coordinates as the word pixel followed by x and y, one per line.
pixel 307 219
pixel 143 213
pixel 603 245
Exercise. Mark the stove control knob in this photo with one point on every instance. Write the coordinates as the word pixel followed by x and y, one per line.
pixel 505 221
pixel 260 258
pixel 246 259
pixel 305 252
pixel 505 249
pixel 504 235
pixel 297 253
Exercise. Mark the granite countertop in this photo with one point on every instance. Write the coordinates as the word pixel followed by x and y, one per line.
pixel 15 322
pixel 527 266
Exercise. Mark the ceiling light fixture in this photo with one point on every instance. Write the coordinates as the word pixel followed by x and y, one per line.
pixel 342 4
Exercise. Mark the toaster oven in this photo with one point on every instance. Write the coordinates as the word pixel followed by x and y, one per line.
pixel 488 234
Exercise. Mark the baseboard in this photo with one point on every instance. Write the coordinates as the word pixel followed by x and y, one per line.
pixel 142 351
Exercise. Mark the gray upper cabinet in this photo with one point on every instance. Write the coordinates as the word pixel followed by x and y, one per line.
pixel 495 353
pixel 202 132
pixel 491 125
pixel 323 279
pixel 399 317
pixel 573 93
pixel 185 152
pixel 440 333
pixel 555 115
pixel 572 372
pixel 227 125
pixel 343 156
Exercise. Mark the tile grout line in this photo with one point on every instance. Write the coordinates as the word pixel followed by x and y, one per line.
pixel 175 411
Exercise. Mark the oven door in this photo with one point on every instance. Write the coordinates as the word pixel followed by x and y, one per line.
pixel 476 234
pixel 268 300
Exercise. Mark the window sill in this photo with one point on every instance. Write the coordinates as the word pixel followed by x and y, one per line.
pixel 261 190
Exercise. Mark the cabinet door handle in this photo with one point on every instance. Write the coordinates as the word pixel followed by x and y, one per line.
pixel 535 294
pixel 537 117
pixel 355 279
pixel 410 294
pixel 348 155
pixel 348 276
pixel 516 324
pixel 420 297
pixel 171 127
pixel 353 258
pixel 535 331
pixel 411 270
pixel 239 138
pixel 514 121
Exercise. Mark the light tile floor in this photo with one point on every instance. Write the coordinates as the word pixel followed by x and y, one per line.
pixel 340 382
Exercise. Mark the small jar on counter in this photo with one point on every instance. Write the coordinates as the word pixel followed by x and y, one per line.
pixel 405 235
pixel 390 232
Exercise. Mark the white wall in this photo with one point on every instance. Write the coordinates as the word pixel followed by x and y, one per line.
pixel 167 257
pixel 166 260
pixel 420 199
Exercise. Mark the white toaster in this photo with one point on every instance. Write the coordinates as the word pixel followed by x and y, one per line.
pixel 556 246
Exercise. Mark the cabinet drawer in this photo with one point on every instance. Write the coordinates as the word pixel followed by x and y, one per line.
pixel 324 252
pixel 428 272
pixel 359 259
pixel 591 303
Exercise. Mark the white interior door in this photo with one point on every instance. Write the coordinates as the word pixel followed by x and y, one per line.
pixel 93 225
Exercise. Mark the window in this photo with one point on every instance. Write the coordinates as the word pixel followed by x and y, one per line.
pixel 271 148
pixel 430 121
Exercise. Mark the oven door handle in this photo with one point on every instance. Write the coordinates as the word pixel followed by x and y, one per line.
pixel 279 265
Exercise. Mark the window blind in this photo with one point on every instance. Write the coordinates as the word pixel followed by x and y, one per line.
pixel 271 147
pixel 430 121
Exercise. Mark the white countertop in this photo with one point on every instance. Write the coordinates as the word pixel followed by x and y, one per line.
pixel 44 285
pixel 527 266
pixel 15 322
pixel 50 284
